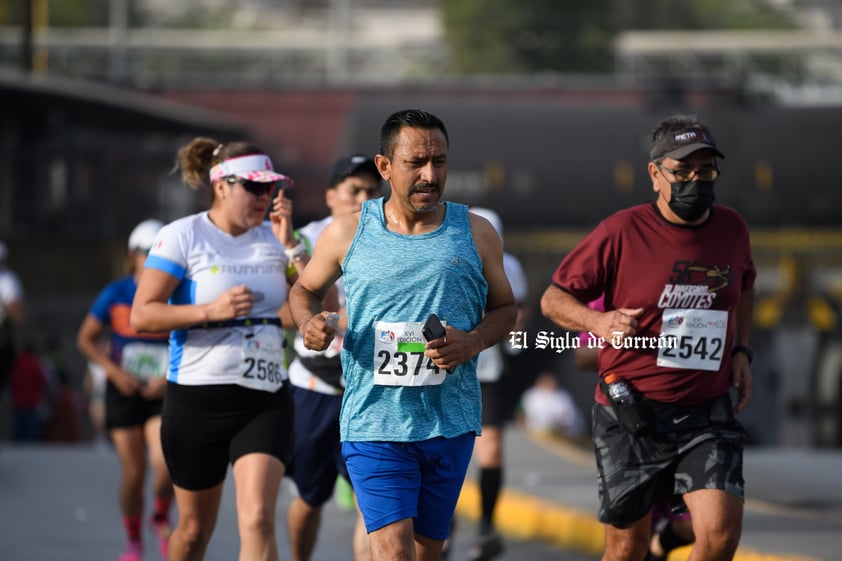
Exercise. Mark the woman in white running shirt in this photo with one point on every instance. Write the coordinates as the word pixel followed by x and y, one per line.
pixel 217 281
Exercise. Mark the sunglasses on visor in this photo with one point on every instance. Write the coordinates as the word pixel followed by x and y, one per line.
pixel 256 188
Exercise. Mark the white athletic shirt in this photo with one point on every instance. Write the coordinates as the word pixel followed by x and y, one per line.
pixel 300 375
pixel 516 277
pixel 208 262
pixel 311 233
pixel 490 365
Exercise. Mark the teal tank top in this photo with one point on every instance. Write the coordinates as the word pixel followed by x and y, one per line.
pixel 390 277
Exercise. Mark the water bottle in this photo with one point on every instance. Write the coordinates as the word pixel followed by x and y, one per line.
pixel 332 320
pixel 619 392
pixel 633 412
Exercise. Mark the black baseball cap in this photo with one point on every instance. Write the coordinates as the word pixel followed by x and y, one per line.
pixel 351 165
pixel 679 144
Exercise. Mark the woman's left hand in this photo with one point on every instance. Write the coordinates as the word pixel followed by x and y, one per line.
pixel 281 217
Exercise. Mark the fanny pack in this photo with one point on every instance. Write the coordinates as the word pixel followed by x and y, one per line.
pixel 239 322
pixel 671 417
pixel 643 415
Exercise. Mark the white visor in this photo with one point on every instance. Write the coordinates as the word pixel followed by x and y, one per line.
pixel 254 167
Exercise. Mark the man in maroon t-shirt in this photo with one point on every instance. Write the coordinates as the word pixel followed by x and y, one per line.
pixel 678 280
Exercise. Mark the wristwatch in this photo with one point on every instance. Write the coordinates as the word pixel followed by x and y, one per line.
pixel 297 253
pixel 743 349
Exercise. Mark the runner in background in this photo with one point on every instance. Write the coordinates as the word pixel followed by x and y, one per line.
pixel 498 406
pixel 12 315
pixel 134 365
pixel 317 383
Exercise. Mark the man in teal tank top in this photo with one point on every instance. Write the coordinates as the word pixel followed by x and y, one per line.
pixel 411 407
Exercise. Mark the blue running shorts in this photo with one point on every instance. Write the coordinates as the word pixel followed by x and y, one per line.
pixel 420 480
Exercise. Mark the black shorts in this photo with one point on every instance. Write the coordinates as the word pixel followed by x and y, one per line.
pixel 317 454
pixel 500 398
pixel 128 411
pixel 7 358
pixel 637 470
pixel 205 428
pixel 493 403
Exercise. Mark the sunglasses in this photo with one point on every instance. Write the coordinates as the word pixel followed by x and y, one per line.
pixel 685 174
pixel 256 188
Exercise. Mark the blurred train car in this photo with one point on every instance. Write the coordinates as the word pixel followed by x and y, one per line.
pixel 554 157
pixel 567 165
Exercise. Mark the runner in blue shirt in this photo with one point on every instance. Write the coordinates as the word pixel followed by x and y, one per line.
pixel 411 406
pixel 135 365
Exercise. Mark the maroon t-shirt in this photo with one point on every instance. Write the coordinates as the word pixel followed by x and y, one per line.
pixel 640 260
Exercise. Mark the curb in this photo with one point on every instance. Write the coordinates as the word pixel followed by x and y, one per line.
pixel 525 517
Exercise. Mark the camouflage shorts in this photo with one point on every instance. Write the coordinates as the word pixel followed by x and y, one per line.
pixel 637 470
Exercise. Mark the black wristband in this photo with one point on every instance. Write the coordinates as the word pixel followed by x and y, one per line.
pixel 743 349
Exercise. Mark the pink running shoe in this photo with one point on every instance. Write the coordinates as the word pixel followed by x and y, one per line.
pixel 162 531
pixel 132 552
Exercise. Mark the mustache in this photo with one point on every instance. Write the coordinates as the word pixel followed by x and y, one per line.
pixel 424 185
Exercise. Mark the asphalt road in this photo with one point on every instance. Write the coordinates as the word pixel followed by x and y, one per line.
pixel 60 504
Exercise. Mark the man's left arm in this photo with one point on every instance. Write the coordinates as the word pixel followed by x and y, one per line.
pixel 309 294
pixel 457 346
pixel 500 308
pixel 500 314
pixel 740 369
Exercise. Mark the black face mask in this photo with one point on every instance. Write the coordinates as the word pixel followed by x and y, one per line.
pixel 690 199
